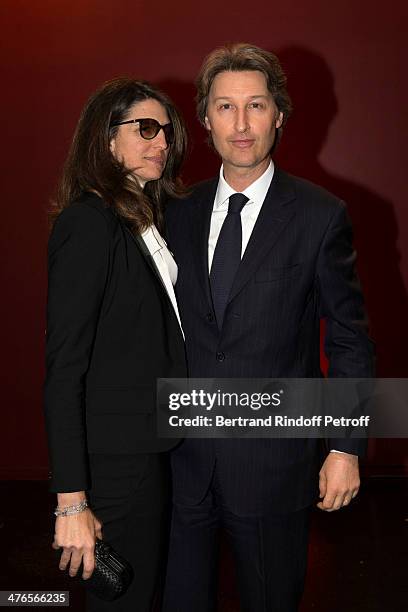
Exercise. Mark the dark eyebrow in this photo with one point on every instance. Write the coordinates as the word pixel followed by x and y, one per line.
pixel 250 97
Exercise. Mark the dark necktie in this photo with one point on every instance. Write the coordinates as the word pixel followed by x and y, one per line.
pixel 227 256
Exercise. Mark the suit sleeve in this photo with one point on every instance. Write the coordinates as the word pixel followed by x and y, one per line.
pixel 78 258
pixel 349 349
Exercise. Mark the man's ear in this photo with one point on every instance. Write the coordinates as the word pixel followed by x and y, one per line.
pixel 112 146
pixel 279 120
pixel 207 123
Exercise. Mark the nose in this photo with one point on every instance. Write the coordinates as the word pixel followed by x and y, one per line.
pixel 241 120
pixel 160 140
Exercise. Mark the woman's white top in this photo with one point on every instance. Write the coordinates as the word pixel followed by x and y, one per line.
pixel 164 262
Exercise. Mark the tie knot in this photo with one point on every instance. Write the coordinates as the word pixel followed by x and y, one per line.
pixel 237 202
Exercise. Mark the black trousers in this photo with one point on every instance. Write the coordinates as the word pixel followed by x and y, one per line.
pixel 130 495
pixel 270 553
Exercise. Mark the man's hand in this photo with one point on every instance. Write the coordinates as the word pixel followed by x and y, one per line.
pixel 339 481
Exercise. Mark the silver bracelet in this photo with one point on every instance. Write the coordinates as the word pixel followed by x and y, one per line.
pixel 69 510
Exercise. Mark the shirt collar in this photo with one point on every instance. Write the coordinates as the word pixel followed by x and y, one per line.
pixel 153 239
pixel 256 192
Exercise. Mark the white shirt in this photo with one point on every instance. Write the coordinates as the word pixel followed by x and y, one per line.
pixel 249 214
pixel 255 193
pixel 165 264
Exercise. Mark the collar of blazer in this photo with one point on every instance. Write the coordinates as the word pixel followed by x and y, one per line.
pixel 97 202
pixel 275 214
pixel 141 245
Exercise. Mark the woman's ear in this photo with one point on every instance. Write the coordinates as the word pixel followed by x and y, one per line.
pixel 207 123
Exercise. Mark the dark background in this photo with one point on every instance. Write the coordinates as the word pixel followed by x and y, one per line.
pixel 346 65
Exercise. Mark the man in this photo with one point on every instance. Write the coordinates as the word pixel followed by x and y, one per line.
pixel 262 257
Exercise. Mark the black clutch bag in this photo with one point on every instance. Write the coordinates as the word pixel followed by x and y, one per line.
pixel 112 574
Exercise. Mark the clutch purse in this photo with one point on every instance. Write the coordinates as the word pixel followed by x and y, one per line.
pixel 112 574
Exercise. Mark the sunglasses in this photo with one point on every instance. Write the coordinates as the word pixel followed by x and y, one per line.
pixel 149 128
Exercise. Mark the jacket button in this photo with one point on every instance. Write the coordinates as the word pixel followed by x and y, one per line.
pixel 210 317
pixel 220 356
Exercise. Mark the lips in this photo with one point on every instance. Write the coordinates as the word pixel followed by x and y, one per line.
pixel 242 143
pixel 160 161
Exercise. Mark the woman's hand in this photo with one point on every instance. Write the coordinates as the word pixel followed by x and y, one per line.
pixel 76 534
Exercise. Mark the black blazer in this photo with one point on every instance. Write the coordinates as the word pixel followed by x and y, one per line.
pixel 111 331
pixel 298 267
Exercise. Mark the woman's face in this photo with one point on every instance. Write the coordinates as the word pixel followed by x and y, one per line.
pixel 145 159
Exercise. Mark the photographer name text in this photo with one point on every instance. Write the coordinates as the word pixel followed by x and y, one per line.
pixel 276 420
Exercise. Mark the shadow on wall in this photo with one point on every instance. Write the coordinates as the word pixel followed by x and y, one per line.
pixel 374 223
pixel 373 217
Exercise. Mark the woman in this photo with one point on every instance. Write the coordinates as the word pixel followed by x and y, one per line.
pixel 113 329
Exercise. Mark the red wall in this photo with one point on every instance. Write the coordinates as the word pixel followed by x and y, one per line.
pixel 346 64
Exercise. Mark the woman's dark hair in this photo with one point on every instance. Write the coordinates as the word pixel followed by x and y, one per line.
pixel 90 165
pixel 241 57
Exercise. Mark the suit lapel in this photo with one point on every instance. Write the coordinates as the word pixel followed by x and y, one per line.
pixel 140 243
pixel 275 214
pixel 200 225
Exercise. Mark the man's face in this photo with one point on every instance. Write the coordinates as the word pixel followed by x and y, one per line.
pixel 242 118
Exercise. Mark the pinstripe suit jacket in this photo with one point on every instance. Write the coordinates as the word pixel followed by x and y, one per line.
pixel 298 267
